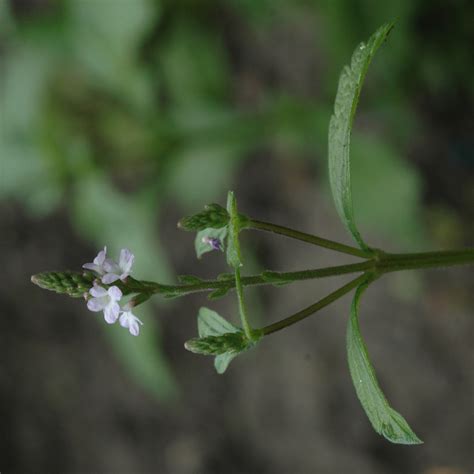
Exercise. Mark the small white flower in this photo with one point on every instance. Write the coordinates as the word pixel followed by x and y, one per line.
pixel 98 264
pixel 114 271
pixel 106 301
pixel 130 321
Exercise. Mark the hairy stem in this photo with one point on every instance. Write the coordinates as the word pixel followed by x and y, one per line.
pixel 253 280
pixel 242 308
pixel 392 262
pixel 304 313
pixel 309 238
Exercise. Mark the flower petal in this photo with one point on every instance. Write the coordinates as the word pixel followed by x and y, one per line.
pixel 93 267
pixel 109 278
pixel 96 304
pixel 111 312
pixel 134 328
pixel 126 260
pixel 110 266
pixel 125 319
pixel 115 293
pixel 99 260
pixel 97 291
pixel 130 321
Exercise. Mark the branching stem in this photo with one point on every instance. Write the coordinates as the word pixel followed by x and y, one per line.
pixel 309 238
pixel 304 313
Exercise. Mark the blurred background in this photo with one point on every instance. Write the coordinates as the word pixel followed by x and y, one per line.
pixel 120 116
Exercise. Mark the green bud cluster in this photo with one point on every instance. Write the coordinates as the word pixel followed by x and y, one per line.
pixel 233 342
pixel 74 284
pixel 214 216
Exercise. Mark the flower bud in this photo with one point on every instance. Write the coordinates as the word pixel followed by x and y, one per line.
pixel 74 284
pixel 214 216
pixel 214 345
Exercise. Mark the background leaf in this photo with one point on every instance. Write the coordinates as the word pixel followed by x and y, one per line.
pixel 385 420
pixel 107 216
pixel 340 127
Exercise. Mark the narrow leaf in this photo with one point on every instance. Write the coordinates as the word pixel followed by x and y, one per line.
pixel 233 248
pixel 340 127
pixel 385 420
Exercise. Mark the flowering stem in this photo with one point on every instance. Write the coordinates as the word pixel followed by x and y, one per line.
pixel 383 263
pixel 288 277
pixel 304 313
pixel 309 238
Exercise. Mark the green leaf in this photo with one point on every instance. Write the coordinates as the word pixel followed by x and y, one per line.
pixel 211 323
pixel 201 243
pixel 222 361
pixel 215 331
pixel 234 258
pixel 340 127
pixel 385 420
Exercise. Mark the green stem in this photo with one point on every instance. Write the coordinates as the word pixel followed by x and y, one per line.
pixel 309 238
pixel 253 280
pixel 294 318
pixel 392 262
pixel 242 308
pixel 387 263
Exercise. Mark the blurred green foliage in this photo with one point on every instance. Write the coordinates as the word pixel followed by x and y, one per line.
pixel 111 112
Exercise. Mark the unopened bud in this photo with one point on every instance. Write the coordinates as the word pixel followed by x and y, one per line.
pixel 214 216
pixel 74 284
pixel 214 345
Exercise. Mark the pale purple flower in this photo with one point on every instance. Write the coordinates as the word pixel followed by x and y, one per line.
pixel 98 264
pixel 118 271
pixel 131 322
pixel 214 242
pixel 106 301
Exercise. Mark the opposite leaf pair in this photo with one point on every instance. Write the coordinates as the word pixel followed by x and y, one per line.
pixel 220 338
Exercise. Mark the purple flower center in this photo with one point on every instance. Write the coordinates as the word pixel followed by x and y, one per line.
pixel 214 242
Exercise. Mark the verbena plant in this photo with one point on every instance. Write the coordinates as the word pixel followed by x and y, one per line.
pixel 104 281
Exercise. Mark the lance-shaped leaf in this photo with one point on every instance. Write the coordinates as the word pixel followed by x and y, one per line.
pixel 340 127
pixel 385 420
